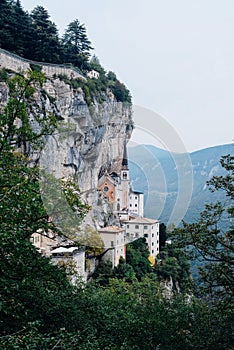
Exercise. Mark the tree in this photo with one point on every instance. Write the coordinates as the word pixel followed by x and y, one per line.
pixel 162 235
pixel 46 45
pixel 173 264
pixel 124 271
pixel 121 93
pixel 22 31
pixel 6 25
pixel 137 255
pixel 28 281
pixel 76 45
pixel 210 239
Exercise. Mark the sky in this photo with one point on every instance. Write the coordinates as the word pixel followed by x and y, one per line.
pixel 175 56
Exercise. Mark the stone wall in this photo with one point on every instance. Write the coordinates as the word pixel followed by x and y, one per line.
pixel 17 63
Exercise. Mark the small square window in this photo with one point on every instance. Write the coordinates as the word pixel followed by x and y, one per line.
pixel 136 226
pixel 145 227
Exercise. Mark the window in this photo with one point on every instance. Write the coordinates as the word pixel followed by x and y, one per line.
pixel 136 205
pixel 112 243
pixel 124 176
pixel 146 235
pixel 152 251
pixel 127 226
pixel 145 227
pixel 152 234
pixel 105 189
pixel 152 243
pixel 135 197
pixel 130 205
pixel 136 226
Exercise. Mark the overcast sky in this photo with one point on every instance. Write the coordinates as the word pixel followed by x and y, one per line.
pixel 175 56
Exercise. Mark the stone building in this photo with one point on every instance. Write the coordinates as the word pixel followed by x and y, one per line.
pixel 93 74
pixel 114 242
pixel 136 203
pixel 143 227
pixel 73 258
pixel 44 242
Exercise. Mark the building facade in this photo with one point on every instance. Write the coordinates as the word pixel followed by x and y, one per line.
pixel 114 242
pixel 143 227
pixel 136 203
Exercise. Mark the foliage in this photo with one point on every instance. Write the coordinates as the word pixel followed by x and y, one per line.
pixel 35 36
pixel 28 281
pixel 45 40
pixel 3 75
pixel 103 273
pixel 92 241
pixel 76 45
pixel 125 316
pixel 120 92
pixel 137 256
pixel 15 126
pixel 173 264
pixel 162 235
pixel 205 240
pixel 124 271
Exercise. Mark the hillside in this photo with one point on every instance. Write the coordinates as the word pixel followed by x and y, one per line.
pixel 155 172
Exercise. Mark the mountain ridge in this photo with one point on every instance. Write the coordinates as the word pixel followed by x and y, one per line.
pixel 158 174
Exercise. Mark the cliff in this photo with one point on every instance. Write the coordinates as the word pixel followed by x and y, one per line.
pixel 90 138
pixel 90 142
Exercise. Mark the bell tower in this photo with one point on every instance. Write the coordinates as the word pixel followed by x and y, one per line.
pixel 124 175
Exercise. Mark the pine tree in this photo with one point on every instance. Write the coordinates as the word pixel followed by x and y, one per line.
pixel 76 45
pixel 45 42
pixel 7 25
pixel 22 30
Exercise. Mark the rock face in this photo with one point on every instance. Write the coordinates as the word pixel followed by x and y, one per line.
pixel 90 141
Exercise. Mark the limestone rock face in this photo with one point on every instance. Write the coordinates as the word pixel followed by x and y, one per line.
pixel 90 141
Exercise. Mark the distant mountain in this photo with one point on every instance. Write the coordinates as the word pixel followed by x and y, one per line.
pixel 175 184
